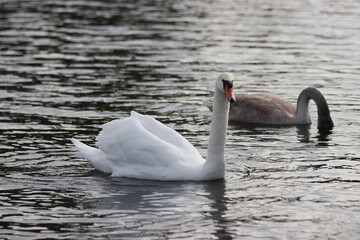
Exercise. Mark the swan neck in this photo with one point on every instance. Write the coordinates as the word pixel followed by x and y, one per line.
pixel 215 161
pixel 302 110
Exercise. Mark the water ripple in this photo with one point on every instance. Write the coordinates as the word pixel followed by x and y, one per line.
pixel 66 67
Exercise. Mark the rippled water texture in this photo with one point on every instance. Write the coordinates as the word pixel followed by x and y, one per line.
pixel 67 67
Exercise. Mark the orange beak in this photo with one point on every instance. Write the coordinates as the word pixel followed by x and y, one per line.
pixel 229 94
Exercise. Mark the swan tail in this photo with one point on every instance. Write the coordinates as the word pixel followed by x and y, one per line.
pixel 208 104
pixel 96 157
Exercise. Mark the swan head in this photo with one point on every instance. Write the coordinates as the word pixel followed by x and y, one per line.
pixel 225 84
pixel 325 122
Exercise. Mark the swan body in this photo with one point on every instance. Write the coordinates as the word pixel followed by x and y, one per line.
pixel 141 147
pixel 272 110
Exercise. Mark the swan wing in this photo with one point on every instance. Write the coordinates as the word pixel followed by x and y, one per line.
pixel 140 146
pixel 164 133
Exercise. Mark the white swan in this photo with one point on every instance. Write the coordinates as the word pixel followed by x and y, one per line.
pixel 141 147
pixel 267 109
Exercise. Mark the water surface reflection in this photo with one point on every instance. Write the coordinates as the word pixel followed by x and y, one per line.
pixel 67 67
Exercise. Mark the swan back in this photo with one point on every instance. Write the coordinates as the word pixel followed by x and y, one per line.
pixel 261 109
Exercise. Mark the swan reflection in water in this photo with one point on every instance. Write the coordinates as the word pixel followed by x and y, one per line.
pixel 323 134
pixel 302 130
pixel 141 200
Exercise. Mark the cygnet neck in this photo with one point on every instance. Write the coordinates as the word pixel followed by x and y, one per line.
pixel 302 110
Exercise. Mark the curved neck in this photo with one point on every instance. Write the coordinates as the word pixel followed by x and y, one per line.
pixel 302 110
pixel 215 160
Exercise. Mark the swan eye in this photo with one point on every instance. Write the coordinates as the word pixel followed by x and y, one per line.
pixel 228 83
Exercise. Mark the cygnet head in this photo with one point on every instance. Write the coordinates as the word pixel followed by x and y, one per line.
pixel 225 84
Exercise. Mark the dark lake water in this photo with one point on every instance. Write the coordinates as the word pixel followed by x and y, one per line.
pixel 67 67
